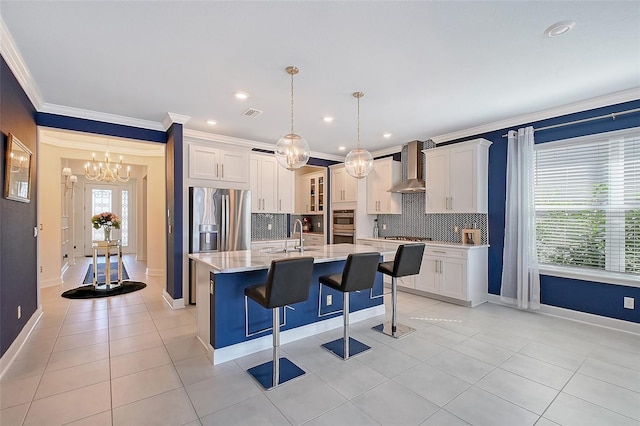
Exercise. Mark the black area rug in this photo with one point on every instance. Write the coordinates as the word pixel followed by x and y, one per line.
pixel 88 292
pixel 88 278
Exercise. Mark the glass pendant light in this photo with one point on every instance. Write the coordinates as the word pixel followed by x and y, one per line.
pixel 358 162
pixel 292 152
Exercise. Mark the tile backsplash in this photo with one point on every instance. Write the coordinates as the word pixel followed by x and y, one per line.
pixel 413 222
pixel 260 226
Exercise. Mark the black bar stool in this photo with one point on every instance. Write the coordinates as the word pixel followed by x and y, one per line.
pixel 359 273
pixel 406 262
pixel 288 282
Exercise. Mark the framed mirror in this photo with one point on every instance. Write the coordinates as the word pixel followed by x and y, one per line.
pixel 17 171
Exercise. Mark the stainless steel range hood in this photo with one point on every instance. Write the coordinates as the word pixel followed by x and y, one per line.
pixel 415 181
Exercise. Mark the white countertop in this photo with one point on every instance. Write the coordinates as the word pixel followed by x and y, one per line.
pixel 428 243
pixel 253 260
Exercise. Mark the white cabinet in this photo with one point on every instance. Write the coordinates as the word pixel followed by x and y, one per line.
pixel 272 186
pixel 384 175
pixel 214 163
pixel 286 190
pixel 263 180
pixel 459 274
pixel 310 190
pixel 311 239
pixel 344 187
pixel 457 177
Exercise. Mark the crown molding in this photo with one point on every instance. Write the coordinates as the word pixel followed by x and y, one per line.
pixel 101 116
pixel 387 151
pixel 585 105
pixel 172 118
pixel 199 136
pixel 11 54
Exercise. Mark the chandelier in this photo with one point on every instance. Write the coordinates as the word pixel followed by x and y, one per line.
pixel 106 172
pixel 292 151
pixel 358 162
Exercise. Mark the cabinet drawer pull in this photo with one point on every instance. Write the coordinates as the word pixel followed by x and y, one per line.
pixel 439 251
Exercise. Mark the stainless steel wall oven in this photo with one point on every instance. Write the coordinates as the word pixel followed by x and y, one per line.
pixel 344 227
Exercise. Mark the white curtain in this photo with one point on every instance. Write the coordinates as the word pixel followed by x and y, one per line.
pixel 520 277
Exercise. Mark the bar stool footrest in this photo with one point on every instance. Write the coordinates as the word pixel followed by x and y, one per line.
pixel 337 347
pixel 401 330
pixel 263 373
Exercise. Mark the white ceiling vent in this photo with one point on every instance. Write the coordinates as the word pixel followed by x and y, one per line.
pixel 252 112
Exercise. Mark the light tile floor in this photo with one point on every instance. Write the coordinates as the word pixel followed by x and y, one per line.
pixel 131 360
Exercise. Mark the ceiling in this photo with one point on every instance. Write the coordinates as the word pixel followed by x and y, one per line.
pixel 427 68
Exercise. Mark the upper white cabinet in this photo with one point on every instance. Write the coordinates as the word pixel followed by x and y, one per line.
pixel 272 186
pixel 344 187
pixel 384 175
pixel 219 164
pixel 457 177
pixel 286 190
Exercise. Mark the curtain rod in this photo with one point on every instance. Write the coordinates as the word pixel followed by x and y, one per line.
pixel 585 120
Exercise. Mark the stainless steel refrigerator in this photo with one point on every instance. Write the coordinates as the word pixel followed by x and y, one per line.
pixel 219 220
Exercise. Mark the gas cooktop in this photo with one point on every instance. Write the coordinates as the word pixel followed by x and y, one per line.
pixel 401 238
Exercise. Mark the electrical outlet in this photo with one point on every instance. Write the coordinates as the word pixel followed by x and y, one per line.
pixel 329 299
pixel 19 311
pixel 629 303
pixel 269 227
pixel 384 226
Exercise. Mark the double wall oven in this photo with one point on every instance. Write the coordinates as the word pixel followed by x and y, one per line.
pixel 344 227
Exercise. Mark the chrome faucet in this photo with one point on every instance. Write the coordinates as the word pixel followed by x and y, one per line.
pixel 301 246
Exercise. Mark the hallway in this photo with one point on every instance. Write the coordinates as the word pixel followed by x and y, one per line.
pixel 131 360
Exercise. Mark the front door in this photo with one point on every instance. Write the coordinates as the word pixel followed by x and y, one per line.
pixel 115 198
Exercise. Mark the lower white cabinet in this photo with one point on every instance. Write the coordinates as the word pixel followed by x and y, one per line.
pixel 459 274
pixel 311 239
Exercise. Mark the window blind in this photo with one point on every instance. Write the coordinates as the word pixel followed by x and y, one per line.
pixel 587 202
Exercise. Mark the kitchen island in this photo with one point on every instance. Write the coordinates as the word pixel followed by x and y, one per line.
pixel 230 325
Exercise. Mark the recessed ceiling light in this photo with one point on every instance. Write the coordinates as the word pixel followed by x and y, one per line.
pixel 559 28
pixel 341 148
pixel 386 135
pixel 327 119
pixel 211 122
pixel 241 95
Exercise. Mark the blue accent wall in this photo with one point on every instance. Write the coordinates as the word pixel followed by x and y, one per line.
pixel 18 247
pixel 175 218
pixel 584 296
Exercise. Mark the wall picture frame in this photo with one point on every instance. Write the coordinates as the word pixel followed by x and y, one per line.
pixel 18 165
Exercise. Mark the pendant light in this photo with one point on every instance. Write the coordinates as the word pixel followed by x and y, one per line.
pixel 292 152
pixel 358 162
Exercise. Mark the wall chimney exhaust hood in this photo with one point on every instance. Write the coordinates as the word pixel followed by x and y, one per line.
pixel 415 181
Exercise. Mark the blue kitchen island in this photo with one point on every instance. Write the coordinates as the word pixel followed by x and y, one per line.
pixel 230 325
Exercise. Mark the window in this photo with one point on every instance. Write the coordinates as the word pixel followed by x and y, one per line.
pixel 587 203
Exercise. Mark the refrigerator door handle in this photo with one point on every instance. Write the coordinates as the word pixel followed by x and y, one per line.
pixel 226 221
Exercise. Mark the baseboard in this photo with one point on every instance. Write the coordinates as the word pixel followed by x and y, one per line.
pixel 15 347
pixel 154 272
pixel 238 350
pixel 141 258
pixel 173 303
pixel 569 314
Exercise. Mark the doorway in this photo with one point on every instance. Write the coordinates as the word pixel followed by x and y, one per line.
pixel 115 198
